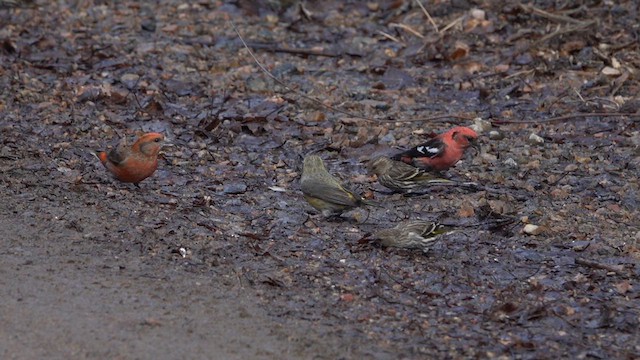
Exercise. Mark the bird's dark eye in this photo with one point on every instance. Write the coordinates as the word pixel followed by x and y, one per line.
pixel 157 140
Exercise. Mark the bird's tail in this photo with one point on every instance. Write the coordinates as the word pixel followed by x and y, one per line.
pixel 371 203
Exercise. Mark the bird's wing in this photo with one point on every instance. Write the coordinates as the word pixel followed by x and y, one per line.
pixel 119 154
pixel 421 228
pixel 403 172
pixel 333 193
pixel 434 147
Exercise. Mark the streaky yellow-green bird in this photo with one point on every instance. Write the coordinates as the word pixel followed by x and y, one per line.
pixel 401 177
pixel 413 234
pixel 324 192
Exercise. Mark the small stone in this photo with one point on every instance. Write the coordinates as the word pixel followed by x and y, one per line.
pixel 496 135
pixel 234 188
pixel 272 19
pixel 387 139
pixel 511 163
pixel 559 193
pixel 478 14
pixel 635 138
pixel 490 158
pixel 129 80
pixel 571 167
pixel 148 25
pixel 373 6
pixel 533 164
pixel 480 125
pixel 535 139
pixel 580 245
pixel 256 84
pixel 582 159
pixel 531 229
pixel 609 71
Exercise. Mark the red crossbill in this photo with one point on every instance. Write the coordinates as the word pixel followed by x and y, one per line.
pixel 134 163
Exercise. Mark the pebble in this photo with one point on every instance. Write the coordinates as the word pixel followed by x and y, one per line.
pixel 490 158
pixel 477 14
pixel 535 139
pixel 480 125
pixel 129 80
pixel 511 163
pixel 234 188
pixel 571 167
pixel 387 139
pixel 496 135
pixel 531 229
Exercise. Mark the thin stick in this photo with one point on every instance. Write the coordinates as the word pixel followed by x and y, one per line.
pixel 564 117
pixel 426 13
pixel 566 30
pixel 310 52
pixel 548 15
pixel 408 29
pixel 390 37
pixel 618 269
pixel 452 24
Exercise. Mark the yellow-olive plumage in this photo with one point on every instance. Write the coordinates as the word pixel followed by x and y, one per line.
pixel 414 234
pixel 323 191
pixel 401 177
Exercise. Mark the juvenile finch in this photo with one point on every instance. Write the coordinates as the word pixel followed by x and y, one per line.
pixel 401 177
pixel 323 191
pixel 441 152
pixel 414 234
pixel 134 163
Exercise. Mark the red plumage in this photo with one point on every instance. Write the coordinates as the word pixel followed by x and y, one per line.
pixel 441 152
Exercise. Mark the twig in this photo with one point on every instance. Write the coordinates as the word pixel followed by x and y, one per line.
pixel 622 46
pixel 432 118
pixel 452 24
pixel 390 37
pixel 407 28
pixel 426 13
pixel 566 30
pixel 562 118
pixel 618 269
pixel 309 52
pixel 617 83
pixel 523 72
pixel 548 15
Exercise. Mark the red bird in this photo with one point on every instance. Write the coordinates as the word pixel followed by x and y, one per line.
pixel 441 152
pixel 134 163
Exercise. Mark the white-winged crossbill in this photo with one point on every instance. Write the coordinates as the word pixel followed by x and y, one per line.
pixel 441 152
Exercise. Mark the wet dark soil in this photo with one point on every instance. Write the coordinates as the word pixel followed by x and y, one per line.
pixel 218 256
